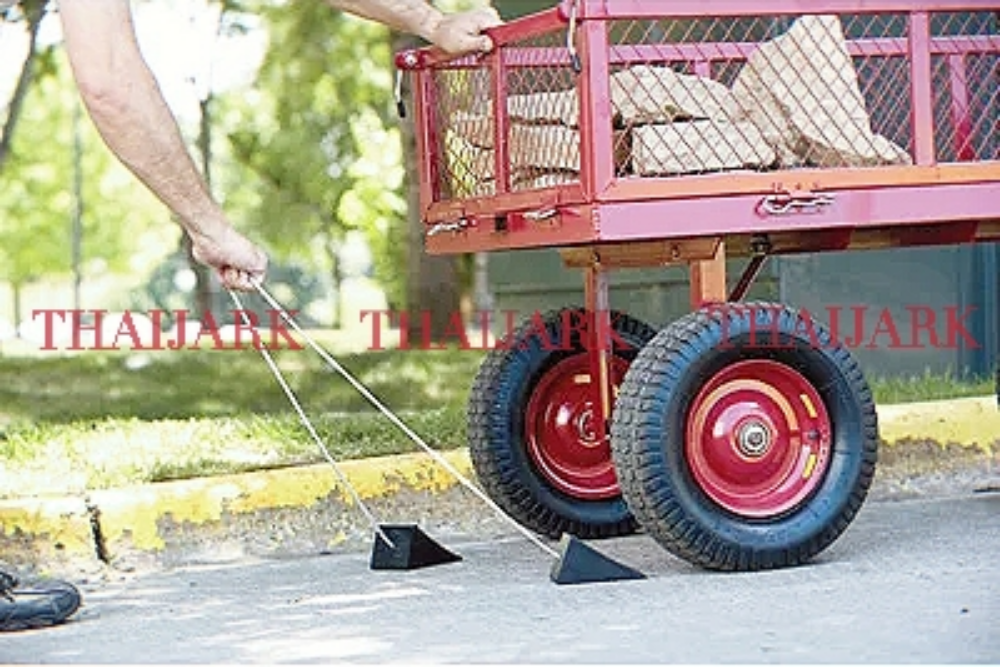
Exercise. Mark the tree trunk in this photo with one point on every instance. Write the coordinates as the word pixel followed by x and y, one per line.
pixel 336 278
pixel 483 295
pixel 433 291
pixel 76 222
pixel 16 289
pixel 203 286
pixel 33 11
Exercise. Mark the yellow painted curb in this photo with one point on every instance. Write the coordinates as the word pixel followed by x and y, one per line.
pixel 970 422
pixel 131 516
pixel 45 529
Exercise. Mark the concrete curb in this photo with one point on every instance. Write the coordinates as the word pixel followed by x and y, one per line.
pixel 133 515
pixel 54 531
pixel 303 508
pixel 970 422
pixel 113 526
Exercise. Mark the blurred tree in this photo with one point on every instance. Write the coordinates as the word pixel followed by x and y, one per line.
pixel 36 200
pixel 209 27
pixel 28 15
pixel 223 19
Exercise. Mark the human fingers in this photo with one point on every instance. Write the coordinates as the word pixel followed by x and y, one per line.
pixel 464 32
pixel 482 20
pixel 237 261
pixel 236 280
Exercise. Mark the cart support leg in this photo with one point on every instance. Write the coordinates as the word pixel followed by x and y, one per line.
pixel 708 279
pixel 746 280
pixel 599 344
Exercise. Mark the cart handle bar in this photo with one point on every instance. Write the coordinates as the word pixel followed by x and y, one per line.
pixel 534 24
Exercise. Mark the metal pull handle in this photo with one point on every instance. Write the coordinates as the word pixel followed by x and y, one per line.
pixel 574 57
pixel 400 105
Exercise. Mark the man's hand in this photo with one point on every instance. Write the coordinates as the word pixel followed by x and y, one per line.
pixel 456 34
pixel 462 32
pixel 240 264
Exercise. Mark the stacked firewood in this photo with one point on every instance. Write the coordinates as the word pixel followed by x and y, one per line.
pixel 796 102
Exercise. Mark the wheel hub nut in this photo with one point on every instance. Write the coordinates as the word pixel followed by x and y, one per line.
pixel 585 426
pixel 753 439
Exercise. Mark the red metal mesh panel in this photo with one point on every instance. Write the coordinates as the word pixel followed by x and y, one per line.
pixel 542 114
pixel 878 47
pixel 966 84
pixel 982 121
pixel 463 138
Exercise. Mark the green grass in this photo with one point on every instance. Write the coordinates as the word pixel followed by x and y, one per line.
pixel 287 442
pixel 167 385
pixel 103 420
pixel 928 387
pixel 96 420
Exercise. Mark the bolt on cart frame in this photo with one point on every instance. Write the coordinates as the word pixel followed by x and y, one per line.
pixel 629 133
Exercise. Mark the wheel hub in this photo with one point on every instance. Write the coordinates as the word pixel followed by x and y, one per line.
pixel 560 433
pixel 758 438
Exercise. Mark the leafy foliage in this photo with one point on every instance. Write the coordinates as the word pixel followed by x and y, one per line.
pixel 36 202
pixel 314 136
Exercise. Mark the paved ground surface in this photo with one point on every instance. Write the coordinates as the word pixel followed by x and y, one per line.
pixel 913 580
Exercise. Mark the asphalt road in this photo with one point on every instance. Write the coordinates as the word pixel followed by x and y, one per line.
pixel 911 581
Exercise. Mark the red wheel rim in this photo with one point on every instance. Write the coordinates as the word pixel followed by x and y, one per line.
pixel 559 430
pixel 758 438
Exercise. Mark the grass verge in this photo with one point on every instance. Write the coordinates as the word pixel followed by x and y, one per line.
pixel 71 423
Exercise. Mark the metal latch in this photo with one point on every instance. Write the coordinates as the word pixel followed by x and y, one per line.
pixel 445 227
pixel 784 203
pixel 541 215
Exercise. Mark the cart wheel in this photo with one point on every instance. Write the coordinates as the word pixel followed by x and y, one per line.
pixel 531 437
pixel 744 437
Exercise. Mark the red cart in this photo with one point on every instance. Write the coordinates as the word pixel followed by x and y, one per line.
pixel 632 133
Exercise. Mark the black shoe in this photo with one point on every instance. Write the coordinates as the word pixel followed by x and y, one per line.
pixel 46 604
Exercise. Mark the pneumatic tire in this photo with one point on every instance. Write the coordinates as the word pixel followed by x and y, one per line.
pixel 744 437
pixel 528 417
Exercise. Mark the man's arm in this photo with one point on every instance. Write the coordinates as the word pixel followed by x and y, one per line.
pixel 128 109
pixel 457 33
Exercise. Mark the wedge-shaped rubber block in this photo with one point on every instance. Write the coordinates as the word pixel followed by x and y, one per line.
pixel 411 548
pixel 580 564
